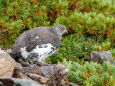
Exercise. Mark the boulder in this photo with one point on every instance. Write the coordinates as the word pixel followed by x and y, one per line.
pixel 47 71
pixel 56 74
pixel 101 56
pixel 52 75
pixel 18 82
pixel 7 64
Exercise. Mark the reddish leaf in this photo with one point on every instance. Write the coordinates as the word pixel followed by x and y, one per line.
pixel 85 10
pixel 53 15
pixel 74 5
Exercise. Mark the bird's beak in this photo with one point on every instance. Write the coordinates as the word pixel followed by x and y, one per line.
pixel 66 31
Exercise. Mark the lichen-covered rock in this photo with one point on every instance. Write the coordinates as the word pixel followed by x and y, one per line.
pixel 7 64
pixel 57 74
pixel 18 82
pixel 52 75
pixel 100 56
pixel 46 71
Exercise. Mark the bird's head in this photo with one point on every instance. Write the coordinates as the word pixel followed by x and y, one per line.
pixel 60 29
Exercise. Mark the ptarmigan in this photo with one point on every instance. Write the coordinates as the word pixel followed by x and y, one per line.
pixel 38 43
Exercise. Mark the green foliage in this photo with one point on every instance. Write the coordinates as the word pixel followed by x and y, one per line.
pixel 75 47
pixel 72 48
pixel 91 74
pixel 83 17
pixel 104 46
pixel 89 23
pixel 113 52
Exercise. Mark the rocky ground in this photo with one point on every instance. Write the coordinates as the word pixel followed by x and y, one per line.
pixel 18 74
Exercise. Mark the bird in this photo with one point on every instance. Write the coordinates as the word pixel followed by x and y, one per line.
pixel 38 43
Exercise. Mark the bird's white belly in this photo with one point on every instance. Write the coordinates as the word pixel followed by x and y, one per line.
pixel 44 51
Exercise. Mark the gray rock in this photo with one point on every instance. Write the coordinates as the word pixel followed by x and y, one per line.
pixel 7 64
pixel 100 56
pixel 52 70
pixel 38 43
pixel 47 71
pixel 18 82
pixel 57 74
pixel 51 74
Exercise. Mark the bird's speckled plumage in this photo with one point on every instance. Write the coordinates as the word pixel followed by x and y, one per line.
pixel 39 42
